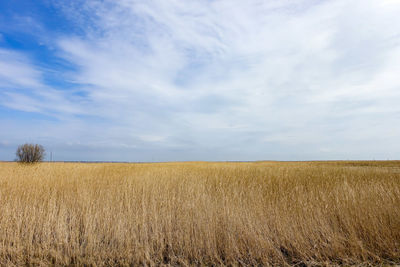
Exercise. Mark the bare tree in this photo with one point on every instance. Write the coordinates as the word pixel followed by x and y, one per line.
pixel 29 153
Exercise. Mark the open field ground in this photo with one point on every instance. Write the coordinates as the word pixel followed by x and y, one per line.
pixel 197 213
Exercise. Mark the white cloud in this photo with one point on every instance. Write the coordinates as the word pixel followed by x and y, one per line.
pixel 15 72
pixel 240 78
pixel 24 88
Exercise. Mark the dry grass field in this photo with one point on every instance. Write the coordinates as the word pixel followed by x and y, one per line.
pixel 197 213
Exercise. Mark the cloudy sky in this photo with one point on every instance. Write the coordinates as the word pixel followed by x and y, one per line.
pixel 158 80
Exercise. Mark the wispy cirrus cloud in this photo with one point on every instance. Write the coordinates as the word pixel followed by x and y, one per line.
pixel 24 88
pixel 16 72
pixel 225 79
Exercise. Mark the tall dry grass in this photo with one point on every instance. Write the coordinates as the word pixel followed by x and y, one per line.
pixel 261 213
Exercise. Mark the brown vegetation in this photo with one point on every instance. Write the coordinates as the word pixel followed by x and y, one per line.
pixel 261 213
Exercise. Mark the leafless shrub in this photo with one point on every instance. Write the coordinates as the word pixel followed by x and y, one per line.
pixel 30 153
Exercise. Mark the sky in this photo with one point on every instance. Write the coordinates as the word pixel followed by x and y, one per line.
pixel 211 80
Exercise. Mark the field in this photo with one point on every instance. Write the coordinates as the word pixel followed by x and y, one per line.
pixel 199 213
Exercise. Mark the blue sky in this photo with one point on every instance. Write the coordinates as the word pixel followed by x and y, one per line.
pixel 201 80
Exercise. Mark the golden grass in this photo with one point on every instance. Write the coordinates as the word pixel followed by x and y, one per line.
pixel 197 213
